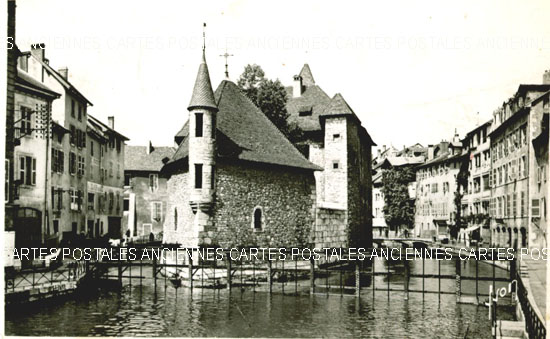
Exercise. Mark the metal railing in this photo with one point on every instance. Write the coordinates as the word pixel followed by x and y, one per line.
pixel 534 325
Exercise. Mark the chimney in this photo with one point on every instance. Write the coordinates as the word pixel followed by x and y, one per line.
pixel 64 72
pixel 430 152
pixel 297 86
pixel 150 147
pixel 39 51
pixel 111 122
pixel 546 77
pixel 383 148
pixel 379 153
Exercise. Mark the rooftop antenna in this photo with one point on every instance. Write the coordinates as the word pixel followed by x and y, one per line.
pixel 226 56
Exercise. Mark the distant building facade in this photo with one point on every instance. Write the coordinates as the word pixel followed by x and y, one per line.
pixel 145 190
pixel 33 102
pixel 477 196
pixel 436 187
pixel 539 171
pixel 513 204
pixel 84 156
pixel 410 157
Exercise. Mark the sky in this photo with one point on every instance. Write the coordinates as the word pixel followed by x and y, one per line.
pixel 411 71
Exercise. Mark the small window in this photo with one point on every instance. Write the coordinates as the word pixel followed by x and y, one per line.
pixel 336 136
pixel 156 211
pixel 126 204
pixel 198 175
pixel 335 164
pixel 91 148
pixel 55 226
pixel 535 207
pixel 91 201
pixel 198 124
pixel 258 219
pixel 79 113
pixel 72 109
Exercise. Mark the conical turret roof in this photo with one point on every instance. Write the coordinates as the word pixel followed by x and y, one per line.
pixel 203 95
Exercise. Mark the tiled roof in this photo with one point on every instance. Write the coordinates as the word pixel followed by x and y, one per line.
pixel 307 77
pixel 245 133
pixel 23 78
pixel 137 159
pixel 338 106
pixel 313 97
pixel 202 92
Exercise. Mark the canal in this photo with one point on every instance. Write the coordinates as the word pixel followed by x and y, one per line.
pixel 143 310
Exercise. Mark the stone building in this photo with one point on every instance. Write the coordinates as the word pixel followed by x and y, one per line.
pixel 436 187
pixel 476 198
pixel 335 140
pixel 105 174
pixel 512 157
pixel 145 190
pixel 33 102
pixel 539 171
pixel 235 180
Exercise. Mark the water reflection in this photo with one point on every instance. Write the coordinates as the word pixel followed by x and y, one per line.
pixel 143 310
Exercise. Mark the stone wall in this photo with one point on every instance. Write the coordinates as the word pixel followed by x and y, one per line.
pixel 331 228
pixel 286 197
pixel 179 230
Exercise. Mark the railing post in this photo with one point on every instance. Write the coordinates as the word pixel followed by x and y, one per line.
pixel 228 267
pixel 407 275
pixel 357 279
pixel 458 287
pixel 190 270
pixel 311 276
pixel 120 271
pixel 269 280
pixel 154 269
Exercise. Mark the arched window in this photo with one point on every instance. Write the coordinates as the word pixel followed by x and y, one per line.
pixel 257 222
pixel 175 218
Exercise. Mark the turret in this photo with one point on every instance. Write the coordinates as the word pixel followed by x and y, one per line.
pixel 202 141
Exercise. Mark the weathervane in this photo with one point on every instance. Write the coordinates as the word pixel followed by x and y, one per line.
pixel 204 36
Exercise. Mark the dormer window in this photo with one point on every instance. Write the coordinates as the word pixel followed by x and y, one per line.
pixel 198 124
pixel 304 111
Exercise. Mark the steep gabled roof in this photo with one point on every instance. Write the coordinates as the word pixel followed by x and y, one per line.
pixel 313 99
pixel 307 77
pixel 245 133
pixel 338 106
pixel 137 159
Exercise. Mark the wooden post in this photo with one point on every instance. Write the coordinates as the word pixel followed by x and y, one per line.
pixel 311 276
pixel 154 270
pixel 406 282
pixel 458 287
pixel 357 280
pixel 228 266
pixel 269 280
pixel 119 271
pixel 190 270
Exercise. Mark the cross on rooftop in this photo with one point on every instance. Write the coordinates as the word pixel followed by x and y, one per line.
pixel 226 56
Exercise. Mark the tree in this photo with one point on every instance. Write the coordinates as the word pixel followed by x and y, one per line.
pixel 398 206
pixel 461 186
pixel 270 97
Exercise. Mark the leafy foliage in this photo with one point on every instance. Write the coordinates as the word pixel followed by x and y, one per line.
pixel 270 96
pixel 461 186
pixel 399 208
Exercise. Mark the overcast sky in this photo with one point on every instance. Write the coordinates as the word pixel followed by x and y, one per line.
pixel 411 72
